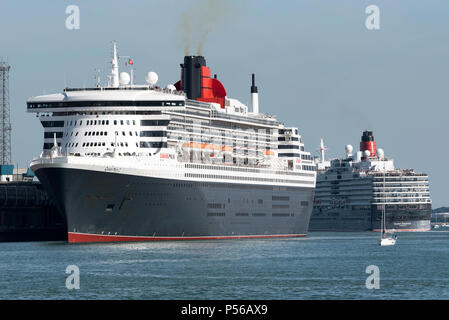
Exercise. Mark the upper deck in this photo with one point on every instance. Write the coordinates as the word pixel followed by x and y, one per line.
pixel 130 98
pixel 141 99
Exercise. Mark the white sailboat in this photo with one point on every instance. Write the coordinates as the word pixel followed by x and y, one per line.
pixel 385 238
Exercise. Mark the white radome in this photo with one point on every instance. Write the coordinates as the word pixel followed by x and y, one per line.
pixel 381 153
pixel 124 78
pixel 151 78
pixel 349 149
pixel 366 153
pixel 171 87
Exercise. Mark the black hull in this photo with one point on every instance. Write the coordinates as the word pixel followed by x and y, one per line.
pixel 368 220
pixel 115 206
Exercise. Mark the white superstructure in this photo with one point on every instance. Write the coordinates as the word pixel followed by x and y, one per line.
pixel 148 130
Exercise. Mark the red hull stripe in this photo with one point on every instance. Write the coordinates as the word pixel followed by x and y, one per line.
pixel 404 230
pixel 75 237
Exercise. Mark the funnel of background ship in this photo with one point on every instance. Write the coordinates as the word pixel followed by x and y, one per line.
pixel 368 144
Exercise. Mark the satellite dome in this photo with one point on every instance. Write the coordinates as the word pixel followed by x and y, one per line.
pixel 366 153
pixel 171 87
pixel 151 78
pixel 348 149
pixel 124 78
pixel 381 153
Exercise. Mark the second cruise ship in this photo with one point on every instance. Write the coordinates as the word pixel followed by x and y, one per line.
pixel 351 193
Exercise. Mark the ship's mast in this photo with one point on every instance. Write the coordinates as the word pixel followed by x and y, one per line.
pixel 322 150
pixel 114 62
pixel 254 96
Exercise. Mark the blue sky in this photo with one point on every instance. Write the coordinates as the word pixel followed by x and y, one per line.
pixel 317 66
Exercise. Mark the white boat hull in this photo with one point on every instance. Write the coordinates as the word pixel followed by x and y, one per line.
pixel 387 242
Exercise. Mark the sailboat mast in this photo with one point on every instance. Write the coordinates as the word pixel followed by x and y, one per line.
pixel 383 221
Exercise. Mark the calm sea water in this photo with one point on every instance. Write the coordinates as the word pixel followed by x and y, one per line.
pixel 320 266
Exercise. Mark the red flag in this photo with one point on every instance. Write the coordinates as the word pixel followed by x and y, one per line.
pixel 130 62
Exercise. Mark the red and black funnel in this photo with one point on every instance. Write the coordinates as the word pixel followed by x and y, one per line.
pixel 197 83
pixel 368 143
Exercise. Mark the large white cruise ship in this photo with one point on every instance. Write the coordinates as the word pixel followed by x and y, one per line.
pixel 132 162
